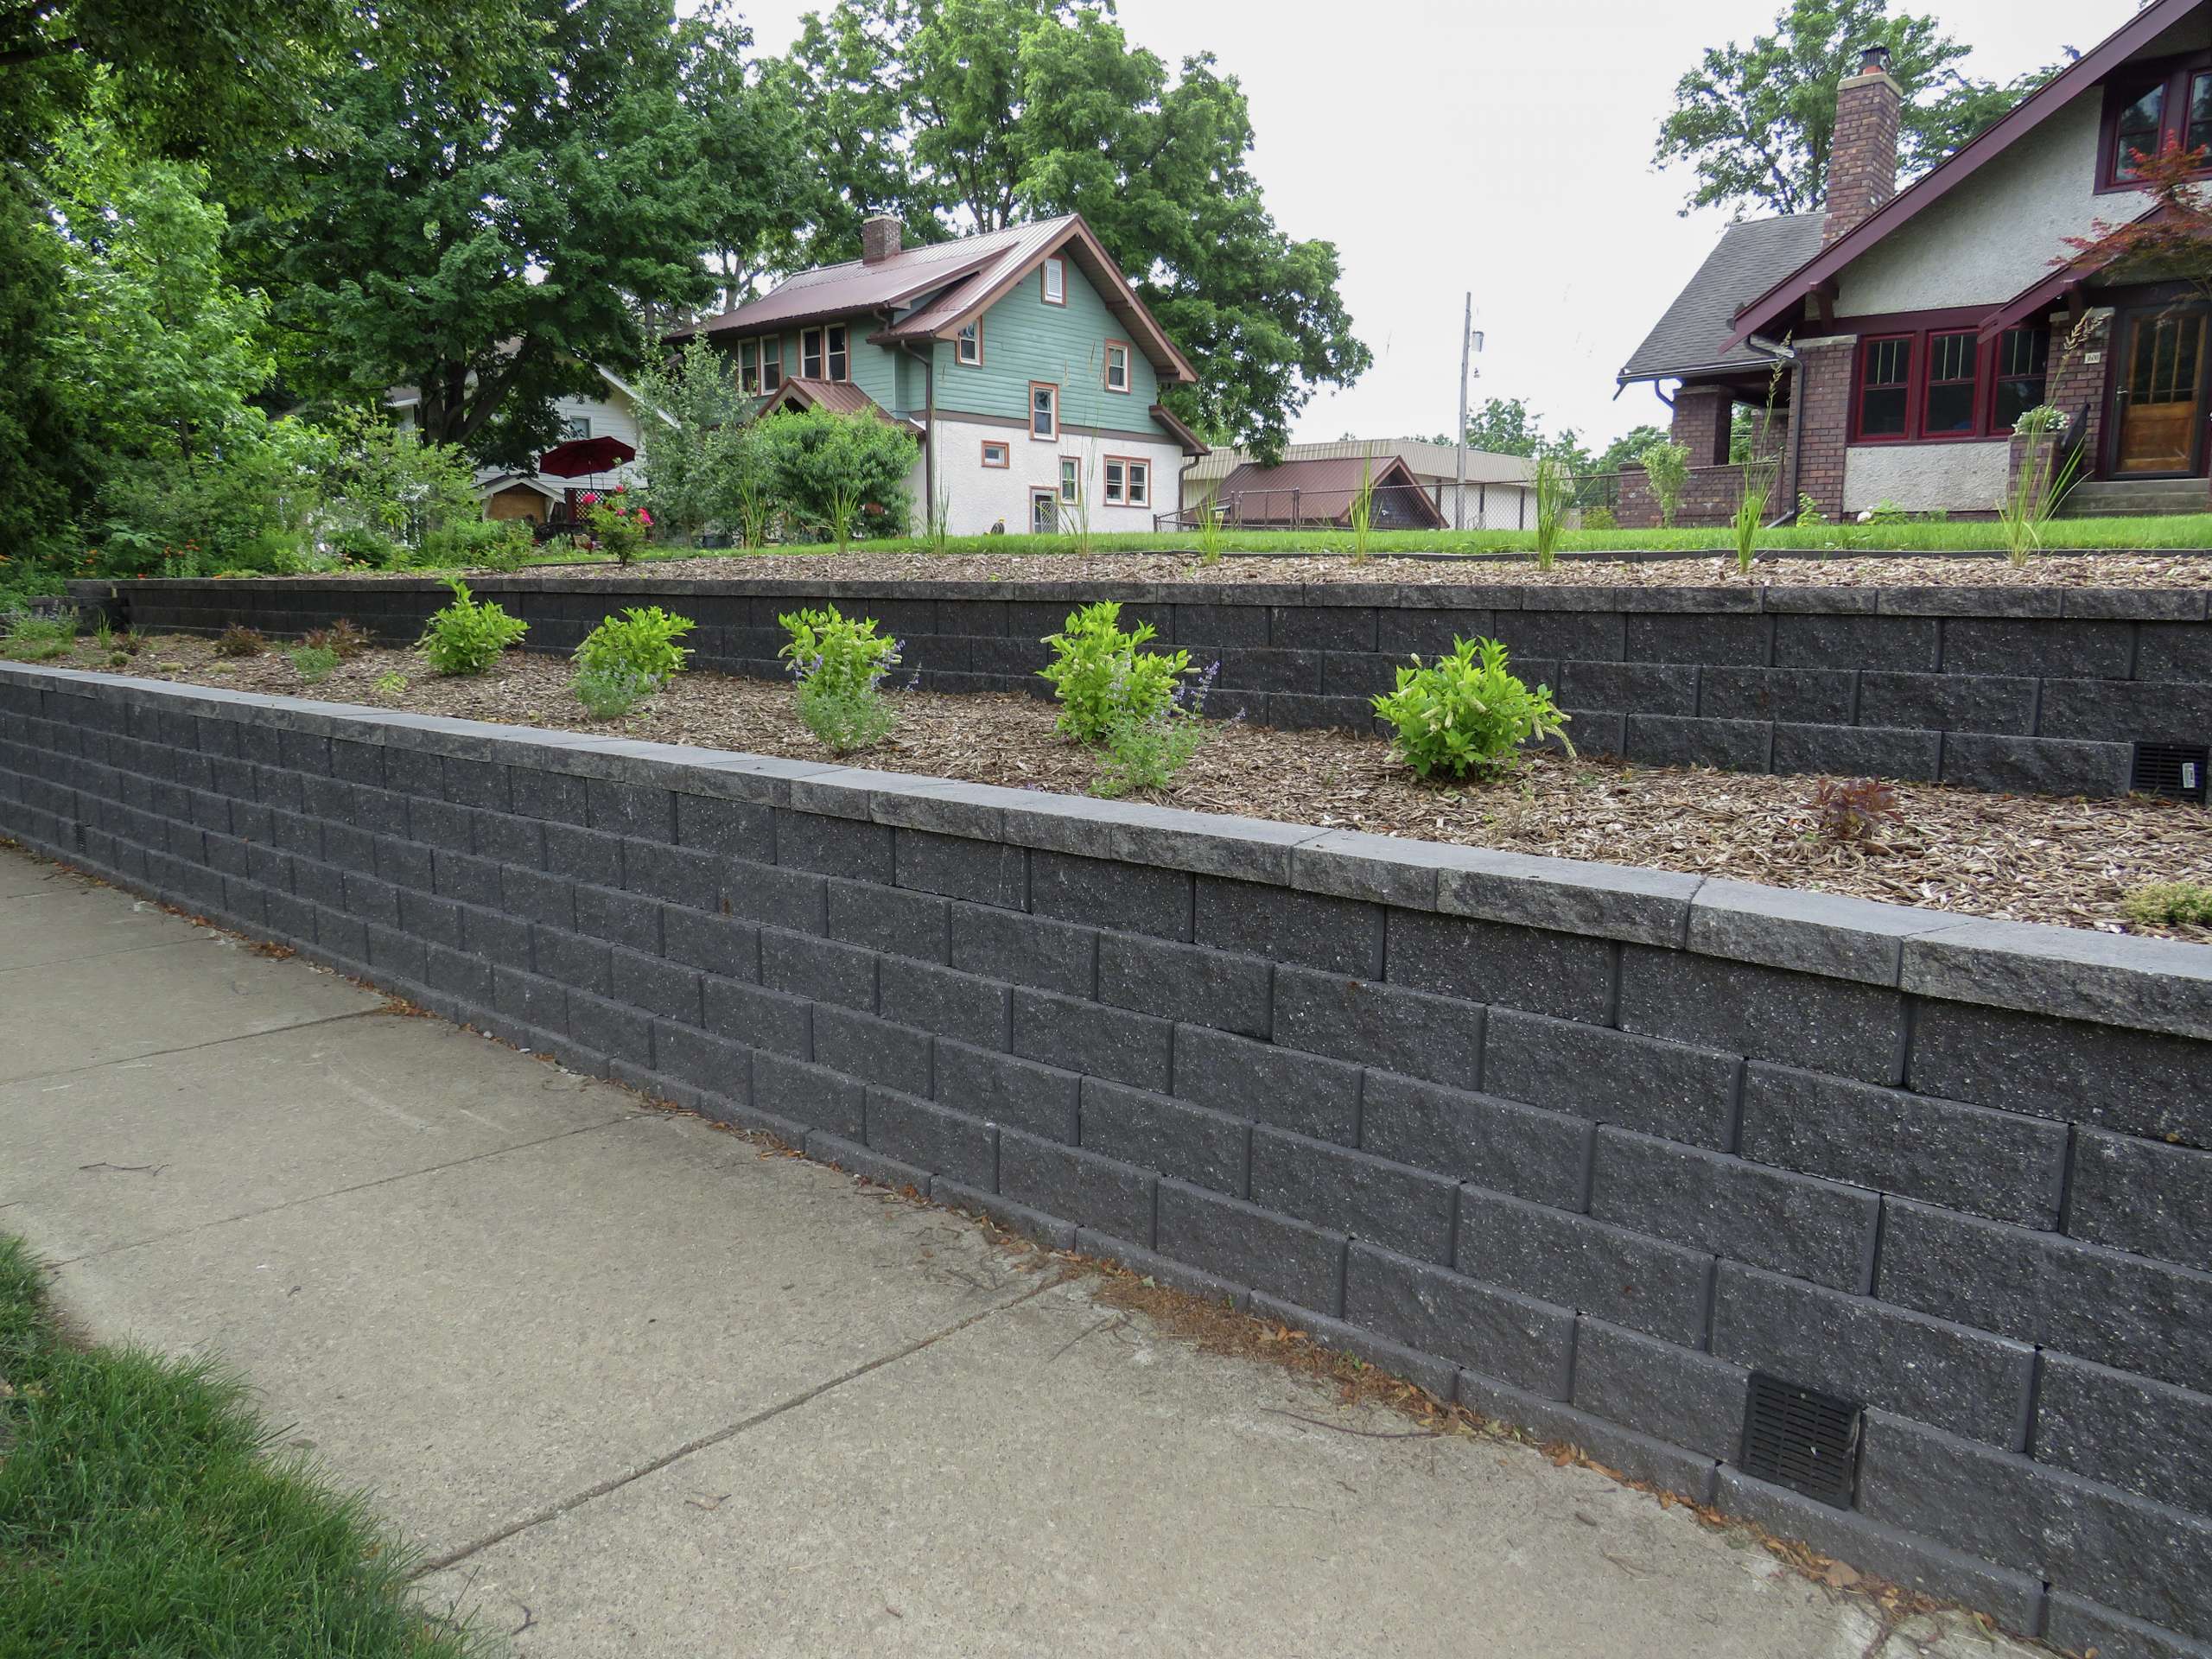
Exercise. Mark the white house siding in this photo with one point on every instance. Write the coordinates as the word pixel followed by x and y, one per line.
pixel 978 497
pixel 1921 477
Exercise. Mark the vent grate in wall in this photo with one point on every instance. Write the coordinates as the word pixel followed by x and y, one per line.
pixel 2176 770
pixel 1802 1439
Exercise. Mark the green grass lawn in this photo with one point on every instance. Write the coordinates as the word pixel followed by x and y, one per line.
pixel 142 1512
pixel 2175 532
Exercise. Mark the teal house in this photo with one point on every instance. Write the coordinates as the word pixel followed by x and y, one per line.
pixel 1021 359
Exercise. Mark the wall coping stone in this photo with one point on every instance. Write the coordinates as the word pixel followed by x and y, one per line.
pixel 2158 985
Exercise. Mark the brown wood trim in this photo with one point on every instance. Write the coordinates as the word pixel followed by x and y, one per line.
pixel 1029 413
pixel 1128 369
pixel 1127 462
pixel 1005 449
pixel 1068 428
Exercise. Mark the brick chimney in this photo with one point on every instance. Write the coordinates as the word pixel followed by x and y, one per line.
pixel 881 232
pixel 1863 159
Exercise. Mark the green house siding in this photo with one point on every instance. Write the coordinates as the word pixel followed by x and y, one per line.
pixel 1025 340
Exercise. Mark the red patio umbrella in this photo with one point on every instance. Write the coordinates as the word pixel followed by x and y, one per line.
pixel 581 458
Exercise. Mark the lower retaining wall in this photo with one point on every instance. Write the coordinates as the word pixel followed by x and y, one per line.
pixel 2031 689
pixel 1585 1148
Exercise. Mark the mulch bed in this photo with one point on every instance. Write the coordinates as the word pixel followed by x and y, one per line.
pixel 1713 570
pixel 2023 858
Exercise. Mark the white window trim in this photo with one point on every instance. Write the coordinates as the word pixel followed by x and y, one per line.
pixel 1070 479
pixel 1117 474
pixel 1053 266
pixel 1052 437
pixel 1006 454
pixel 1128 374
pixel 814 357
pixel 971 336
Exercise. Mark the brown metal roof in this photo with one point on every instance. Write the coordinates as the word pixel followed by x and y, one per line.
pixel 840 395
pixel 1323 485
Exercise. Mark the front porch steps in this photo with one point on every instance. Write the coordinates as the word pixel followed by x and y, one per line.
pixel 2125 498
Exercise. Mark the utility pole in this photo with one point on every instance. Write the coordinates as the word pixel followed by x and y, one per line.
pixel 1469 343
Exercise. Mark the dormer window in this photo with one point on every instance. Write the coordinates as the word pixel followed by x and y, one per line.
pixel 968 345
pixel 2171 105
pixel 1054 278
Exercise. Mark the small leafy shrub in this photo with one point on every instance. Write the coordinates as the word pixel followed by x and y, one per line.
pixel 1885 512
pixel 491 544
pixel 2158 904
pixel 616 525
pixel 356 544
pixel 393 685
pixel 467 637
pixel 314 663
pixel 348 639
pixel 1600 519
pixel 610 693
pixel 839 665
pixel 1468 712
pixel 1143 754
pixel 1667 465
pixel 1809 516
pixel 38 637
pixel 1854 812
pixel 641 642
pixel 239 640
pixel 1100 675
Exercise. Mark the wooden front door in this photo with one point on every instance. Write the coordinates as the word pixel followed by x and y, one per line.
pixel 2159 394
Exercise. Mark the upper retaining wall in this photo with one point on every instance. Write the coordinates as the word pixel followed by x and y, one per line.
pixel 1581 1146
pixel 2031 689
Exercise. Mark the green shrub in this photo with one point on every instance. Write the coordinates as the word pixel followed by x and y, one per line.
pixel 467 637
pixel 620 525
pixel 314 663
pixel 839 665
pixel 1599 518
pixel 641 642
pixel 1099 675
pixel 1667 465
pixel 1467 711
pixel 1142 753
pixel 823 468
pixel 491 543
pixel 2156 904
pixel 610 693
pixel 38 637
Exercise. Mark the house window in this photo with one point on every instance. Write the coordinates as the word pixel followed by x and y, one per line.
pixel 968 345
pixel 839 364
pixel 2136 130
pixel 2199 135
pixel 1070 479
pixel 772 363
pixel 1117 365
pixel 1117 481
pixel 1054 277
pixel 1948 408
pixel 574 427
pixel 809 354
pixel 1140 483
pixel 2023 372
pixel 2142 117
pixel 996 453
pixel 1884 383
pixel 1044 411
pixel 748 367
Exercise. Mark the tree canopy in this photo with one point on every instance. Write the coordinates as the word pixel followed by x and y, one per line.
pixel 977 114
pixel 1755 123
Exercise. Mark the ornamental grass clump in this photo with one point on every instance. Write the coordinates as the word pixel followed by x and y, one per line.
pixel 467 637
pixel 1468 712
pixel 1099 673
pixel 840 664
pixel 39 637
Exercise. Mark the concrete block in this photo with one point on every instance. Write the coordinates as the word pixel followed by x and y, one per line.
pixel 998 1089
pixel 1821 933
pixel 832 846
pixel 1190 983
pixel 1929 1370
pixel 932 1138
pixel 1900 643
pixel 1569 896
pixel 1352 1192
pixel 2173 652
pixel 1218 626
pixel 2141 1196
pixel 1815 1230
pixel 363 895
pixel 871 1050
pixel 2058 649
pixel 436 920
pixel 677 874
pixel 467 979
pixel 1307 929
pixel 1106 893
pixel 758 1019
pixel 625 918
pixel 1252 669
pixel 1661 1088
pixel 510 840
pixel 1339 1336
pixel 811 1095
pixel 1994 1163
pixel 1244 849
pixel 1062 1181
pixel 1581 636
pixel 1628 1454
pixel 2147 1437
pixel 2128 1311
pixel 2076 1624
pixel 1051 1231
pixel 1025 950
pixel 818 970
pixel 986 872
pixel 886 919
pixel 1882 1552
pixel 2143 711
pixel 1402 632
pixel 1079 1035
pixel 2036 765
pixel 1206 1148
pixel 1849 1030
pixel 1567 974
pixel 2064 1069
pixel 976 1011
pixel 2142 1559
pixel 439 823
pixel 495 935
pixel 537 897
pixel 792 899
pixel 1699 638
pixel 610 1028
pixel 395 959
pixel 584 964
pixel 1358 676
pixel 1163 1269
pixel 1390 870
pixel 1649 688
pixel 1670 740
pixel 1629 1278
pixel 1499 1145
pixel 727 829
pixel 1948 702
pixel 668 989
pixel 723 1068
pixel 1518 1339
pixel 1245 1245
pixel 582 855
pixel 717 945
pixel 2067 973
pixel 1806 696
pixel 1299 1092
pixel 1433 1037
pixel 1322 627
pixel 1672 1394
pixel 520 997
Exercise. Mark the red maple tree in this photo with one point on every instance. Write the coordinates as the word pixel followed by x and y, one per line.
pixel 2171 238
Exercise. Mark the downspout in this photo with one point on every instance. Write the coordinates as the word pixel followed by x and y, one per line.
pixel 1788 353
pixel 1182 483
pixel 928 360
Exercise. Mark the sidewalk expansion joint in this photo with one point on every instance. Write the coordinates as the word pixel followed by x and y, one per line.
pixel 183 1048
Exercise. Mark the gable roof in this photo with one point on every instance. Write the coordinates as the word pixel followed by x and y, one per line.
pixel 2081 75
pixel 1695 334
pixel 1422 458
pixel 1306 488
pixel 954 283
pixel 840 395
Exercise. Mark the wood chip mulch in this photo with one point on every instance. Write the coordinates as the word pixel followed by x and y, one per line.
pixel 2022 858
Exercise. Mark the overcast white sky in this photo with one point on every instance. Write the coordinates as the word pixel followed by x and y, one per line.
pixel 1449 145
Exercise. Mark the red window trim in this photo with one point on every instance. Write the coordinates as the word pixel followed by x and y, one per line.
pixel 2174 74
pixel 1128 462
pixel 1029 413
pixel 1005 454
pixel 1128 369
pixel 1977 416
pixel 1044 293
pixel 1985 359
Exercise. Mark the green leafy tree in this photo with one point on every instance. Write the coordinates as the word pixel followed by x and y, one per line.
pixel 757 188
pixel 488 249
pixel 1507 426
pixel 1755 123
pixel 703 461
pixel 997 112
pixel 829 471
pixel 1627 449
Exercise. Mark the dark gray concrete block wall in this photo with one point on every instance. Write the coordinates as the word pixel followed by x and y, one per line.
pixel 1582 1146
pixel 2037 690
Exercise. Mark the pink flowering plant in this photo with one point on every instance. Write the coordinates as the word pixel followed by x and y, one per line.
pixel 618 523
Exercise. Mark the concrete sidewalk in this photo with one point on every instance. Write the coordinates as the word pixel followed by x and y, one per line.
pixel 643 1389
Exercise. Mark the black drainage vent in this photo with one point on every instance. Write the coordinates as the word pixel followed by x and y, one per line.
pixel 2177 770
pixel 1802 1439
